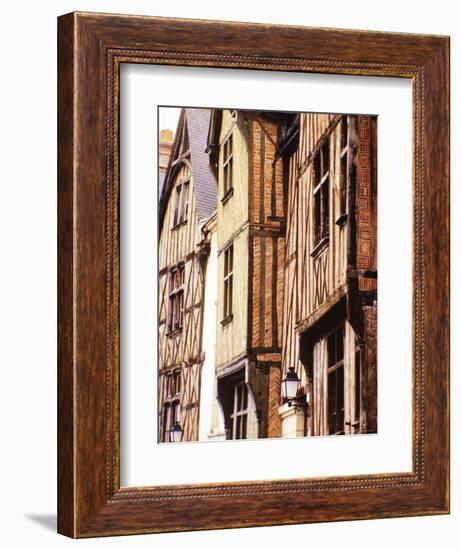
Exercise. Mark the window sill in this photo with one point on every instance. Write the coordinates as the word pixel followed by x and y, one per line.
pixel 178 225
pixel 320 246
pixel 341 221
pixel 227 320
pixel 227 196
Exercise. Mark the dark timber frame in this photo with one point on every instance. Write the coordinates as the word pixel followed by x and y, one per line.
pixel 91 49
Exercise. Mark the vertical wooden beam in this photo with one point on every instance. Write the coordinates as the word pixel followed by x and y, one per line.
pixel 274 422
pixel 369 414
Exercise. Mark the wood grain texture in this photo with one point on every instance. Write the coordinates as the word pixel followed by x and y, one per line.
pixel 65 277
pixel 91 48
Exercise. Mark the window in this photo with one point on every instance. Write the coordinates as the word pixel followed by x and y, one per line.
pixel 336 382
pixel 181 203
pixel 171 407
pixel 227 167
pixel 173 384
pixel 322 192
pixel 177 200
pixel 344 146
pixel 228 276
pixel 171 414
pixel 239 413
pixel 176 299
pixel 184 205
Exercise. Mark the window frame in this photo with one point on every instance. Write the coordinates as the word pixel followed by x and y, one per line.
pixel 238 418
pixel 321 168
pixel 181 203
pixel 228 282
pixel 336 367
pixel 228 167
pixel 172 403
pixel 176 299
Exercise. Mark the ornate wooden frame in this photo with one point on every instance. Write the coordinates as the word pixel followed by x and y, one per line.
pixel 91 49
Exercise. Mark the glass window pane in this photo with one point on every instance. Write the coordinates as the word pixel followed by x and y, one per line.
pixel 332 402
pixel 339 344
pixel 317 168
pixel 331 350
pixel 238 429
pixel 317 216
pixel 340 399
pixel 225 299
pixel 239 397
pixel 325 207
pixel 226 178
pixel 176 412
pixel 229 175
pixel 181 308
pixel 357 385
pixel 343 183
pixel 343 132
pixel 229 303
pixel 244 426
pixel 326 157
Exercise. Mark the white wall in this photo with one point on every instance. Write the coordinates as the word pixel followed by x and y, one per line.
pixel 211 424
pixel 28 274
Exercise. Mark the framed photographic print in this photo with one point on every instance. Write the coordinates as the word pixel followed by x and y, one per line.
pixel 253 275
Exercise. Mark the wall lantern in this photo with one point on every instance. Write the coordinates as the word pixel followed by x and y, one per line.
pixel 290 385
pixel 290 389
pixel 176 433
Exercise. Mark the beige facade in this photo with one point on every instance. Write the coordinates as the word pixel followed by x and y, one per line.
pixel 233 229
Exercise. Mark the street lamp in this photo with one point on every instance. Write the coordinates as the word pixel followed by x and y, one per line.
pixel 176 433
pixel 290 385
pixel 290 388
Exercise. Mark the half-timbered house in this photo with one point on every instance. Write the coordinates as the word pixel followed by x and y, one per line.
pixel 270 247
pixel 250 248
pixel 330 296
pixel 188 199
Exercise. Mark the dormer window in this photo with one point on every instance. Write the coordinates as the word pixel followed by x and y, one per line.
pixel 181 203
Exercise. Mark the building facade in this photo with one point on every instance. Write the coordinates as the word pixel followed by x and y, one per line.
pixel 286 278
pixel 187 200
pixel 330 297
pixel 250 241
